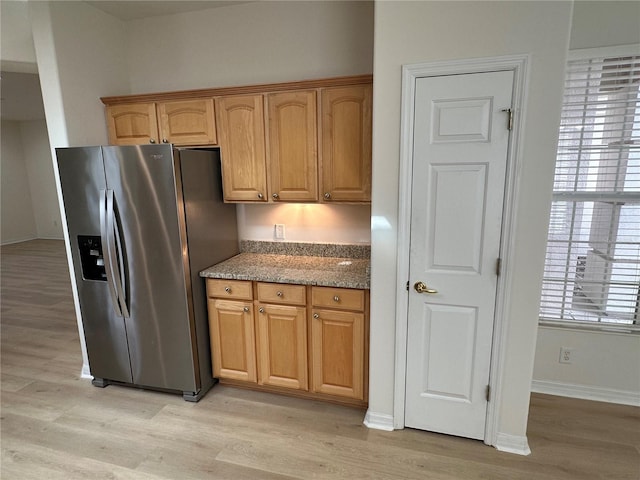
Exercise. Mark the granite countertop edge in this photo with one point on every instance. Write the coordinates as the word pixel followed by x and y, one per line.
pixel 340 272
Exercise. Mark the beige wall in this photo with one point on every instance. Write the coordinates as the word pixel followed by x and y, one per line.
pixel 249 43
pixel 18 222
pixel 605 24
pixel 39 165
pixel 605 365
pixel 416 32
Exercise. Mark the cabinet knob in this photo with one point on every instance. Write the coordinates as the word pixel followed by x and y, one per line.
pixel 327 196
pixel 227 289
pixel 275 196
pixel 279 293
pixel 261 310
pixel 152 140
pixel 260 196
pixel 246 309
pixel 164 140
pixel 316 316
pixel 336 298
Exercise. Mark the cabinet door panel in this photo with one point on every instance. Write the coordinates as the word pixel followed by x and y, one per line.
pixel 132 124
pixel 231 328
pixel 282 346
pixel 293 150
pixel 346 144
pixel 337 343
pixel 240 120
pixel 187 122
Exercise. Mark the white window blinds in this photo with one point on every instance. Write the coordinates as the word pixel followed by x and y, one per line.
pixel 592 266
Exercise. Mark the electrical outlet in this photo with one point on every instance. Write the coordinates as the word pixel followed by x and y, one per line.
pixel 278 231
pixel 566 355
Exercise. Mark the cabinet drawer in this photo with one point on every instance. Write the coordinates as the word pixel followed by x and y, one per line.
pixel 343 298
pixel 281 293
pixel 229 289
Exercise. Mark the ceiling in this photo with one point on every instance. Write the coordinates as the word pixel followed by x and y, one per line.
pixel 135 9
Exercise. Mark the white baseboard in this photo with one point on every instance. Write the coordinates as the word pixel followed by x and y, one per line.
pixel 20 240
pixel 512 444
pixel 379 421
pixel 85 372
pixel 587 392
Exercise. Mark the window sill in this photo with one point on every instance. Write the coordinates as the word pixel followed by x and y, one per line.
pixel 589 327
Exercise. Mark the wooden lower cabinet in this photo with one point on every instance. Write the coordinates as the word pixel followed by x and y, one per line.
pixel 310 341
pixel 337 353
pixel 282 346
pixel 231 328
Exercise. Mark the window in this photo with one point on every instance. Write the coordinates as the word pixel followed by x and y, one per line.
pixel 592 265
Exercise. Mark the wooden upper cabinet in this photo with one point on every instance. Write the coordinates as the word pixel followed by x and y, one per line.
pixel 132 124
pixel 346 144
pixel 187 122
pixel 293 157
pixel 240 121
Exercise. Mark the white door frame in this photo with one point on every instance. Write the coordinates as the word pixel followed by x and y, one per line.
pixel 410 73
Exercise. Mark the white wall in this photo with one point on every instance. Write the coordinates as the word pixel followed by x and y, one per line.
pixel 306 222
pixel 16 42
pixel 605 366
pixel 18 223
pixel 81 54
pixel 39 166
pixel 254 43
pixel 81 58
pixel 416 32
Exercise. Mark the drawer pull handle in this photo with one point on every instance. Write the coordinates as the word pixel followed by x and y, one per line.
pixel 261 310
pixel 279 293
pixel 246 309
pixel 316 316
pixel 227 289
pixel 336 298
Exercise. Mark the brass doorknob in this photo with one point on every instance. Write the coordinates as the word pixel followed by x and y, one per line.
pixel 420 287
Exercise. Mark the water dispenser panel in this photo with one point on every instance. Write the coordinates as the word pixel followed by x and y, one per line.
pixel 90 247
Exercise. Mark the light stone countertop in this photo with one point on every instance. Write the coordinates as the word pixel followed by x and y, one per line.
pixel 296 269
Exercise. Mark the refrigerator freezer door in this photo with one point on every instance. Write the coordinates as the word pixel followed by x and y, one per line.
pixel 152 250
pixel 82 179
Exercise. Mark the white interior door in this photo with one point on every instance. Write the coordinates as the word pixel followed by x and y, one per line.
pixel 460 149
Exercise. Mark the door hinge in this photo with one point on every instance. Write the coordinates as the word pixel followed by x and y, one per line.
pixel 509 118
pixel 488 392
pixel 407 285
pixel 498 266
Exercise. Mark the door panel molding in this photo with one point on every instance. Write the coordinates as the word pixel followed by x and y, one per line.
pixel 410 73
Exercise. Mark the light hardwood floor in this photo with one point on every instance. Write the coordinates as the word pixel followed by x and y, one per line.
pixel 58 426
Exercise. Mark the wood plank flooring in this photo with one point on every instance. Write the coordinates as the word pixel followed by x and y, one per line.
pixel 55 425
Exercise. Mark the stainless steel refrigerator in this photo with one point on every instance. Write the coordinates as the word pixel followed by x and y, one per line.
pixel 143 221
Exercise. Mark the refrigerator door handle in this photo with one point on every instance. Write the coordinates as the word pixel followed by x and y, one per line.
pixel 115 254
pixel 104 236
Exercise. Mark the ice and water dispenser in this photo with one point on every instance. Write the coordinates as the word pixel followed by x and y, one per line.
pixel 90 247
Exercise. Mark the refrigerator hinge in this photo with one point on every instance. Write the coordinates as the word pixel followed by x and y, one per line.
pixel 407 285
pixel 488 392
pixel 498 266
